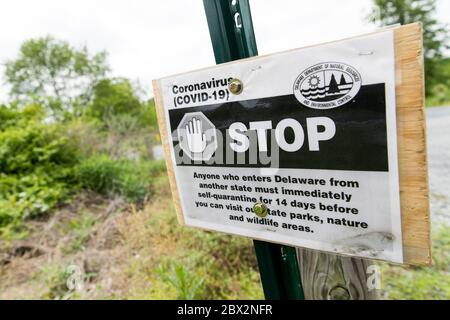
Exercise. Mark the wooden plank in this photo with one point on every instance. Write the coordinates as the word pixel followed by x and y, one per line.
pixel 161 115
pixel 412 147
pixel 327 276
pixel 412 156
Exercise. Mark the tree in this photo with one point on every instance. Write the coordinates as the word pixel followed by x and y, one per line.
pixel 53 73
pixel 436 35
pixel 113 97
pixel 118 102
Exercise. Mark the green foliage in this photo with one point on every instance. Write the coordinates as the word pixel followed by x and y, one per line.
pixel 118 177
pixel 11 116
pixel 187 283
pixel 114 97
pixel 427 283
pixel 37 165
pixel 149 115
pixel 28 196
pixel 436 35
pixel 54 276
pixel 81 229
pixel 440 93
pixel 117 103
pixel 101 174
pixel 224 269
pixel 35 147
pixel 225 265
pixel 53 73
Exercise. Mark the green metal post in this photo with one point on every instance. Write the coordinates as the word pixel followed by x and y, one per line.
pixel 232 36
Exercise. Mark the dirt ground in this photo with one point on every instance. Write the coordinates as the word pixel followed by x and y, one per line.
pixel 93 234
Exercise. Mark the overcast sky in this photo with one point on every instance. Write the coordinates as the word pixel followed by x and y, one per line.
pixel 147 39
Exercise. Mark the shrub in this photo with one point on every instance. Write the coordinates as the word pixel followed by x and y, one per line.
pixel 188 284
pixel 148 117
pixel 35 147
pixel 100 174
pixel 36 165
pixel 115 96
pixel 110 177
pixel 28 196
pixel 440 96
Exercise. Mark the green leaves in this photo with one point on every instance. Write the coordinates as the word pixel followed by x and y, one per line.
pixel 436 35
pixel 37 164
pixel 71 82
pixel 53 73
pixel 188 284
pixel 54 86
pixel 111 177
pixel 27 148
pixel 117 104
pixel 114 97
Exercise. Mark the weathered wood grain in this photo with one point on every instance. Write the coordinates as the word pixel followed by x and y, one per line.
pixel 412 147
pixel 327 276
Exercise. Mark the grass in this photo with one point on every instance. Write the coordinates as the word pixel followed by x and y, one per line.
pixel 422 283
pixel 186 263
pixel 110 177
pixel 188 284
pixel 54 277
pixel 81 229
pixel 441 97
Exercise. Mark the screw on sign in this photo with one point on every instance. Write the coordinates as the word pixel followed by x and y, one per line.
pixel 236 86
pixel 261 210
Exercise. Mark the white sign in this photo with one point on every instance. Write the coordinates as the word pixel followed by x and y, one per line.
pixel 312 136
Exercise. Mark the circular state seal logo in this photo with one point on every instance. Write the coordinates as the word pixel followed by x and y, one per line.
pixel 327 85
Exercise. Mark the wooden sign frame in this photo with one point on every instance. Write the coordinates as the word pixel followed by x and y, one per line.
pixel 412 145
pixel 411 140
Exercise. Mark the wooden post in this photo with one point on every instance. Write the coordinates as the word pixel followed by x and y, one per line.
pixel 327 276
